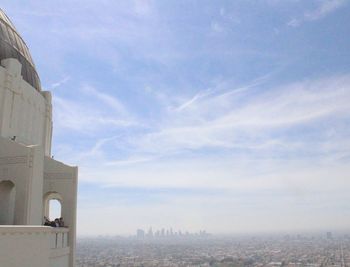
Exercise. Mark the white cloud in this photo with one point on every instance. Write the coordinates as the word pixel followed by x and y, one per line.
pixel 187 103
pixel 216 27
pixel 61 82
pixel 252 134
pixel 143 7
pixel 84 117
pixel 93 114
pixel 294 22
pixel 325 8
pixel 222 121
pixel 112 101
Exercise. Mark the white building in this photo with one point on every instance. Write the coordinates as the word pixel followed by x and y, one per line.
pixel 29 176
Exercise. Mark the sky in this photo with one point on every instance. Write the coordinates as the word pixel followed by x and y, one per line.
pixel 228 116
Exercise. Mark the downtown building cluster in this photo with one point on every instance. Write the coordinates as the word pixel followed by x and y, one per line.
pixel 168 233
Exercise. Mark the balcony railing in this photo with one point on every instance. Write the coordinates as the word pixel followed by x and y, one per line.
pixel 27 245
pixel 59 238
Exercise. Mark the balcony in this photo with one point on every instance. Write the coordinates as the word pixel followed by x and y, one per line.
pixel 23 245
pixel 59 243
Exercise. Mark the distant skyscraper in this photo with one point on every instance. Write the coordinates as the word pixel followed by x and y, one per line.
pixel 329 235
pixel 150 232
pixel 140 233
pixel 157 233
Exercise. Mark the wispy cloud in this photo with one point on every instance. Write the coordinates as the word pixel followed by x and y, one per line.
pixel 60 83
pixel 193 99
pixel 216 27
pixel 215 141
pixel 217 121
pixel 325 7
pixel 93 114
pixel 129 161
pixel 111 101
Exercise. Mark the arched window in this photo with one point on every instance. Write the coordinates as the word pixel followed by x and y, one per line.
pixel 54 209
pixel 7 203
pixel 52 205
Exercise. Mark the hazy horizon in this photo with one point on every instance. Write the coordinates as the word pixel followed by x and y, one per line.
pixel 321 233
pixel 225 116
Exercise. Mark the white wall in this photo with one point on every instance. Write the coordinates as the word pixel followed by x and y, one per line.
pixel 23 166
pixel 24 112
pixel 22 246
pixel 61 261
pixel 62 180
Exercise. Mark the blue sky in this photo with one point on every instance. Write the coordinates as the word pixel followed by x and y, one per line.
pixel 229 116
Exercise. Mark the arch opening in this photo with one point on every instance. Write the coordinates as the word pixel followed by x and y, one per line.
pixel 55 209
pixel 7 202
pixel 52 206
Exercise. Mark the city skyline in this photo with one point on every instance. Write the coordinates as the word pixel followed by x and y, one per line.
pixel 227 116
pixel 168 232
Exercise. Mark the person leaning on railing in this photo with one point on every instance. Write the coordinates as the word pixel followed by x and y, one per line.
pixel 56 223
pixel 61 222
pixel 47 221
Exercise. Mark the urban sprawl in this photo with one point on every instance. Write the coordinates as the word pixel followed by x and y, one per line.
pixel 204 250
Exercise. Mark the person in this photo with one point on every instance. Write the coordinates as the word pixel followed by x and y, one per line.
pixel 61 222
pixel 47 221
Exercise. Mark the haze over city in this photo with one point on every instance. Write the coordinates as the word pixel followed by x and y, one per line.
pixel 228 116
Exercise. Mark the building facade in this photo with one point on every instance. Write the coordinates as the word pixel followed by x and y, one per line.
pixel 29 176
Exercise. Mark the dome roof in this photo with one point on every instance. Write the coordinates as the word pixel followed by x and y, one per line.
pixel 13 46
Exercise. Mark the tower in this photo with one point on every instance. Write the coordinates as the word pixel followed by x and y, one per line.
pixel 29 176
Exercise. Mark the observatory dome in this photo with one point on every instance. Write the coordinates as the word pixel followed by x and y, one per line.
pixel 13 46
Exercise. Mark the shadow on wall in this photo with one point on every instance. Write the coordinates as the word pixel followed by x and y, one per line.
pixel 7 202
